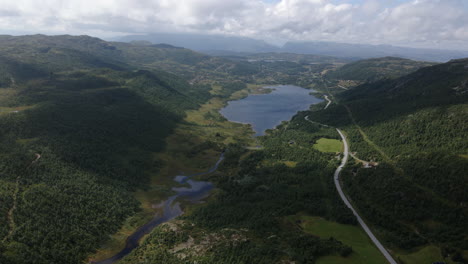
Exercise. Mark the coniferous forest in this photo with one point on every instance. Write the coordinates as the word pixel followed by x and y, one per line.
pixel 92 133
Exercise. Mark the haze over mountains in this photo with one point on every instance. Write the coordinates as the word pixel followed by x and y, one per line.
pixel 92 132
pixel 116 147
pixel 229 45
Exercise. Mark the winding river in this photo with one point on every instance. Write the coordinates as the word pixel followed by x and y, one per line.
pixel 262 111
pixel 197 191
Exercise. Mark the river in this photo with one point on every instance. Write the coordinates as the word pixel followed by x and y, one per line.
pixel 197 191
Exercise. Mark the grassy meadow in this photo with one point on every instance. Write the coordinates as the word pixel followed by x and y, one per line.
pixel 328 145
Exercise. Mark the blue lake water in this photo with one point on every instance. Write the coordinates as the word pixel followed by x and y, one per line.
pixel 265 111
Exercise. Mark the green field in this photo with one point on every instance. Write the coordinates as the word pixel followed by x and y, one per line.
pixel 328 145
pixel 429 254
pixel 363 249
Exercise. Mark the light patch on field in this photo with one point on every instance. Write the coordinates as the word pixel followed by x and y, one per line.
pixel 272 163
pixel 290 164
pixel 26 140
pixel 258 89
pixel 348 83
pixel 14 110
pixel 216 89
pixel 363 249
pixel 328 145
pixel 429 254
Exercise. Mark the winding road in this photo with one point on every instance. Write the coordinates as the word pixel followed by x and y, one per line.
pixel 11 212
pixel 348 204
pixel 345 199
pixel 313 122
pixel 329 102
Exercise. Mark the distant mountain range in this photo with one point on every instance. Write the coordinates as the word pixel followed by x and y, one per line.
pixel 229 45
pixel 361 51
pixel 200 42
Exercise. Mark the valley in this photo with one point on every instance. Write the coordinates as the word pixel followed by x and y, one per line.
pixel 112 127
pixel 187 152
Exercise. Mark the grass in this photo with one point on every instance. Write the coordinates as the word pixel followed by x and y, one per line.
pixel 328 145
pixel 206 122
pixel 290 164
pixel 271 163
pixel 258 89
pixel 428 254
pixel 363 249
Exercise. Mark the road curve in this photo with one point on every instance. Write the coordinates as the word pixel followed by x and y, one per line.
pixel 329 102
pixel 307 119
pixel 348 204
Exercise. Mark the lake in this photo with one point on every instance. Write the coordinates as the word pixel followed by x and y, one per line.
pixel 265 111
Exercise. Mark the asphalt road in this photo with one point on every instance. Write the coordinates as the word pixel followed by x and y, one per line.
pixel 348 204
pixel 329 102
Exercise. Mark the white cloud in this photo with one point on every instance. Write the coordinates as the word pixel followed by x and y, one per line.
pixel 421 22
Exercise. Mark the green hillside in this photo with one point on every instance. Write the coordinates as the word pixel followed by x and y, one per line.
pixel 415 127
pixel 84 128
pixel 78 134
pixel 83 123
pixel 51 53
pixel 375 69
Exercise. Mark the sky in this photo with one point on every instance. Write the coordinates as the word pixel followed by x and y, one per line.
pixel 439 24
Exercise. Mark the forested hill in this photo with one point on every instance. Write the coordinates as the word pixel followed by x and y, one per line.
pixel 375 69
pixel 415 127
pixel 440 85
pixel 80 122
pixel 72 52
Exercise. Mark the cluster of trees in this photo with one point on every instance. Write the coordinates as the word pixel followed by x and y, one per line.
pixel 432 129
pixel 416 208
pixel 96 132
pixel 62 212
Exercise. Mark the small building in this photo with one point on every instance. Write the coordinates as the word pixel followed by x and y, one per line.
pixel 370 164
